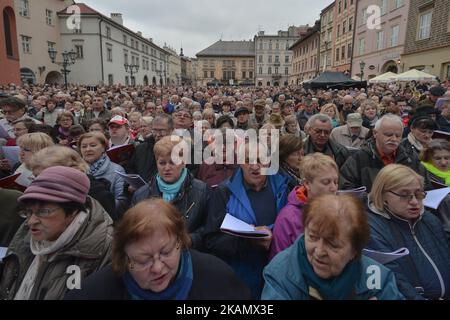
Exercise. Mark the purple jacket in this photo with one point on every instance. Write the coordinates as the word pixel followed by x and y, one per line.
pixel 288 225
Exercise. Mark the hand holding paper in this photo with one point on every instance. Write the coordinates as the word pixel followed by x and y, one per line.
pixel 239 228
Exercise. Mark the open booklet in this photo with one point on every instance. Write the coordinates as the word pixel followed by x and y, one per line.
pixel 239 228
pixel 133 180
pixel 385 257
pixel 121 154
pixel 441 135
pixel 434 197
pixel 358 192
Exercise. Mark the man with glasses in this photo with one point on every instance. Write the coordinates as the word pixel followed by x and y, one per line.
pixel 143 160
pixel 182 118
pixel 13 109
pixel 383 149
pixel 319 139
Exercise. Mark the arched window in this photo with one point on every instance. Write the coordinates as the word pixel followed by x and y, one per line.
pixel 8 37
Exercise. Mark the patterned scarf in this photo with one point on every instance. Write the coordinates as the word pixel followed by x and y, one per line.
pixel 179 289
pixel 95 167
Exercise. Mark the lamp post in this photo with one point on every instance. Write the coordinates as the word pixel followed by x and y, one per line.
pixel 69 58
pixel 362 65
pixel 398 62
pixel 131 69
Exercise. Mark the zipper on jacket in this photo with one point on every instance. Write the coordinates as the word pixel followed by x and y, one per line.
pixel 438 273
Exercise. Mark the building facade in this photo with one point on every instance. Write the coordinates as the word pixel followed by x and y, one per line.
pixel 427 45
pixel 273 56
pixel 380 49
pixel 174 68
pixel 343 29
pixel 306 56
pixel 9 50
pixel 195 72
pixel 104 46
pixel 326 38
pixel 227 62
pixel 38 30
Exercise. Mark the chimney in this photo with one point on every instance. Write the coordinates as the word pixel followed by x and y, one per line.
pixel 117 17
pixel 261 33
pixel 150 39
pixel 139 33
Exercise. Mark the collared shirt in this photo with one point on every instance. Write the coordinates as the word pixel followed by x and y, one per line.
pixel 387 159
pixel 263 203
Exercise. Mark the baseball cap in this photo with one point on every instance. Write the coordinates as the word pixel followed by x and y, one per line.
pixel 118 120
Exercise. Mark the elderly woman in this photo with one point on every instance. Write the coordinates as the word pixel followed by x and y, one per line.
pixel 369 112
pixel 326 263
pixel 93 147
pixel 291 126
pixel 291 155
pixel 67 157
pixel 398 219
pixel 64 228
pixel 422 130
pixel 152 260
pixel 320 176
pixel 176 185
pixel 436 159
pixel 61 131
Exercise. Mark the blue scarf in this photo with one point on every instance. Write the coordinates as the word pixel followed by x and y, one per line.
pixel 170 191
pixel 177 290
pixel 95 167
pixel 338 288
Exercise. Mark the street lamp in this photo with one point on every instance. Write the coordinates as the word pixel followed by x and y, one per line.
pixel 69 58
pixel 362 65
pixel 131 69
pixel 398 62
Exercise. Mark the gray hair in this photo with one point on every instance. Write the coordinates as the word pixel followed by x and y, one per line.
pixel 163 117
pixel 319 117
pixel 389 117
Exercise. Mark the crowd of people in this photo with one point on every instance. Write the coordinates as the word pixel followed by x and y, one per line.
pixel 68 203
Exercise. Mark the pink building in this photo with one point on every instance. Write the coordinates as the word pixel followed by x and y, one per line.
pixel 379 47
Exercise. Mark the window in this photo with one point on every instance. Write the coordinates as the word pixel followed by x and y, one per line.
pixel 250 74
pixel 276 70
pixel 350 24
pixel 108 32
pixel 24 8
pixel 286 59
pixel 49 17
pixel 269 70
pixel 338 30
pixel 398 3
pixel 270 45
pixel 425 25
pixel 362 45
pixel 205 74
pixel 260 70
pixel 79 51
pixel 8 36
pixel 125 40
pixel 127 81
pixel 244 75
pixel 211 73
pixel 337 54
pixel 260 45
pixel 340 6
pixel 344 26
pixel 349 51
pixel 132 43
pixel 277 59
pixel 26 44
pixel 286 70
pixel 270 59
pixel 380 40
pixel 384 7
pixel 109 56
pixel 110 79
pixel 51 45
pixel 260 59
pixel 343 52
pixel 394 35
pixel 365 15
pixel 277 46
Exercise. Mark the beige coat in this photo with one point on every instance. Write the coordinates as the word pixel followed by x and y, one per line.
pixel 343 136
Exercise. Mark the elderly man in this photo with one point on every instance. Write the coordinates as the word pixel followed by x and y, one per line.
pixel 259 117
pixel 98 110
pixel 353 134
pixel 13 109
pixel 383 149
pixel 242 116
pixel 443 119
pixel 347 107
pixel 143 160
pixel 215 101
pixel 182 118
pixel 308 111
pixel 255 199
pixel 319 139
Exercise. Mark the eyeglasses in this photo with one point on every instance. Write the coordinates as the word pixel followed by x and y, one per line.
pixel 420 195
pixel 163 257
pixel 183 115
pixel 40 213
pixel 324 132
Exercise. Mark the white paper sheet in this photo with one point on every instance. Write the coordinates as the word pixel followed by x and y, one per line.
pixel 12 154
pixel 133 180
pixel 435 197
pixel 385 257
pixel 239 228
pixel 25 178
pixel 358 192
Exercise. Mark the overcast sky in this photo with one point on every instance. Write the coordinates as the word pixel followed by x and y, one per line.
pixel 197 24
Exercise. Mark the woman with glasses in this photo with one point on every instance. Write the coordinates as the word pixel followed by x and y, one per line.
pixel 397 219
pixel 152 260
pixel 66 236
pixel 61 131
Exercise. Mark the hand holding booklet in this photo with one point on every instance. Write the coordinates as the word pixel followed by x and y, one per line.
pixel 133 180
pixel 239 228
pixel 358 192
pixel 385 257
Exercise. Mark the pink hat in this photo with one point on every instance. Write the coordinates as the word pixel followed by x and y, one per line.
pixel 59 184
pixel 118 120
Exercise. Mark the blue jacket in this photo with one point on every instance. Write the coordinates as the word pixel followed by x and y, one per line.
pixel 427 267
pixel 284 279
pixel 107 171
pixel 230 197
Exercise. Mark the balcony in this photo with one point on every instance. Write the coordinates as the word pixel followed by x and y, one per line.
pixel 276 76
pixel 277 64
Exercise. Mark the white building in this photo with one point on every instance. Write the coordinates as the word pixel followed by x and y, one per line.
pixel 104 46
pixel 37 32
pixel 174 70
pixel 273 57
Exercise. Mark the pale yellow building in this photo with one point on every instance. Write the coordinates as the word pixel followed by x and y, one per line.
pixel 228 63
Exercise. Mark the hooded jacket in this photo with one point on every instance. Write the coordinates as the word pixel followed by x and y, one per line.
pixel 89 250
